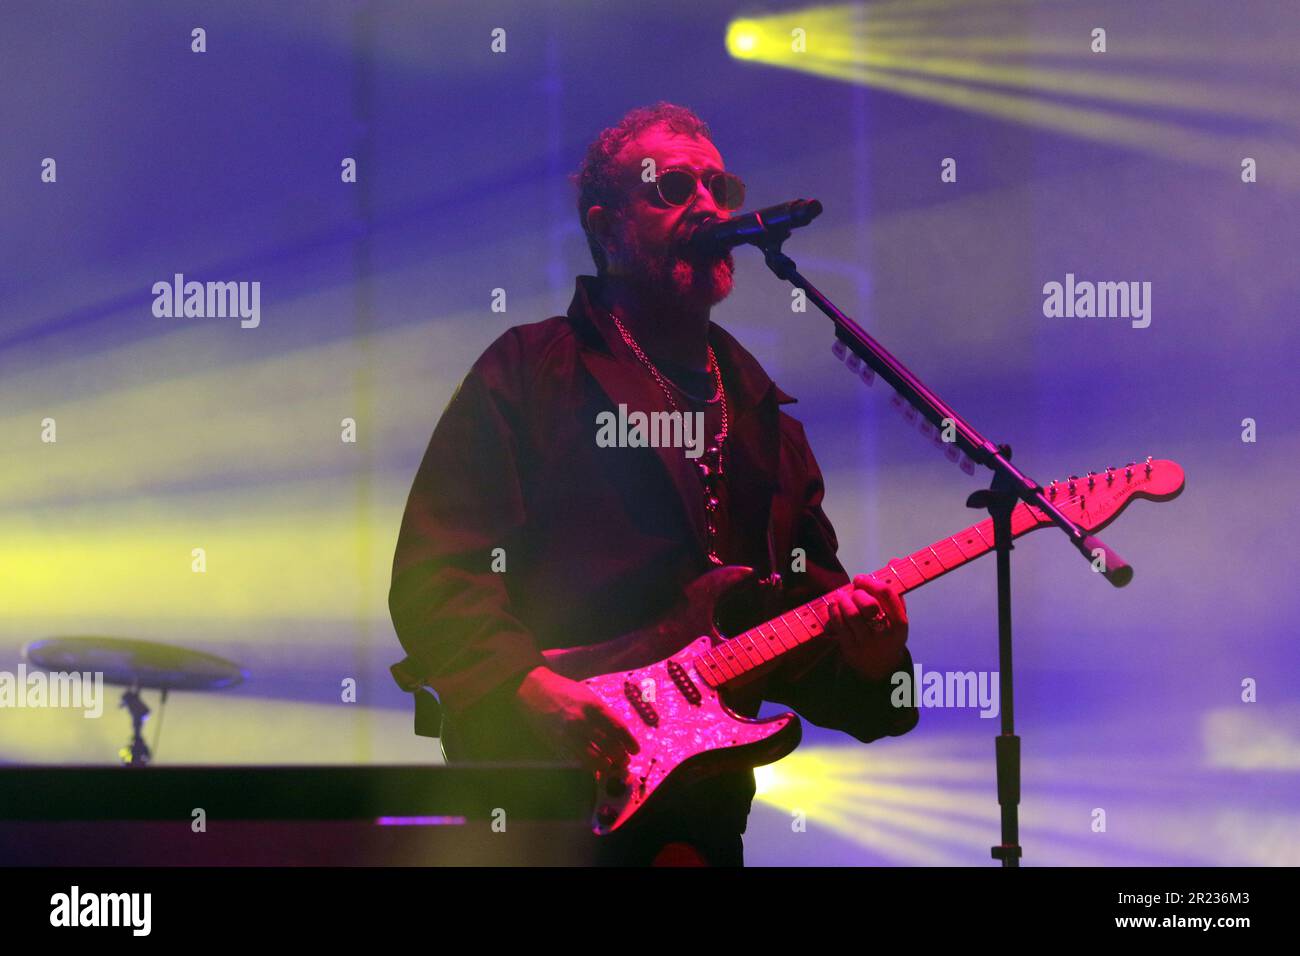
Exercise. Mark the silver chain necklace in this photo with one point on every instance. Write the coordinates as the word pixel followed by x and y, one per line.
pixel 710 464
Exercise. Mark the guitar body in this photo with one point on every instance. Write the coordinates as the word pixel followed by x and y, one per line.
pixel 684 727
pixel 654 679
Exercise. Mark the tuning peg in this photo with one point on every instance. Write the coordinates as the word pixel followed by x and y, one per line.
pixel 1110 474
pixel 1070 486
pixel 1128 469
pixel 1091 481
pixel 1148 464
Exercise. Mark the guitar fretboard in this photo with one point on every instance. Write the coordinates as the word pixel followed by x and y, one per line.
pixel 732 659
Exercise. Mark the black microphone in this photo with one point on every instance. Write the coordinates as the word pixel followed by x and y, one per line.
pixel 754 227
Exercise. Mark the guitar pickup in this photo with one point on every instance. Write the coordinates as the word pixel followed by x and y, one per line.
pixel 644 709
pixel 684 683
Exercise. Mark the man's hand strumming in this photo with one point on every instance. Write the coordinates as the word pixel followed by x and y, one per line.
pixel 575 721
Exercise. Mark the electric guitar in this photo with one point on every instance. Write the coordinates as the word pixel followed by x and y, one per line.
pixel 666 681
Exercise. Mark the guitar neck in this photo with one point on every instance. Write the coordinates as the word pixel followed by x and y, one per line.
pixel 736 658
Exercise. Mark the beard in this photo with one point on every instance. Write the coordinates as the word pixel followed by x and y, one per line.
pixel 677 275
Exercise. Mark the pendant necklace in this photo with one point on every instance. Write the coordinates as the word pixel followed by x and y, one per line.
pixel 709 465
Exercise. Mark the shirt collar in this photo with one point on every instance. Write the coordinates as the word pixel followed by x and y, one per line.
pixel 747 383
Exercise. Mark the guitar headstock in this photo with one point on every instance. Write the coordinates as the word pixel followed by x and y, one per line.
pixel 1096 499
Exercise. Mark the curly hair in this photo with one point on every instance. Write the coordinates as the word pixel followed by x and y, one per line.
pixel 597 178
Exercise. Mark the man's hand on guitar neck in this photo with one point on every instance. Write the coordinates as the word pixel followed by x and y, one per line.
pixel 575 721
pixel 870 624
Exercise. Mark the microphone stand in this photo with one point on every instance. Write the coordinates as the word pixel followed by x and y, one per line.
pixel 1008 486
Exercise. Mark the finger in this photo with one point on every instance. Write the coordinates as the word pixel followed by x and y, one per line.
pixel 894 628
pixel 580 740
pixel 590 757
pixel 888 597
pixel 614 746
pixel 847 603
pixel 607 765
pixel 892 601
pixel 869 606
pixel 841 613
pixel 619 730
pixel 876 588
pixel 611 731
pixel 868 616
pixel 612 752
pixel 835 626
pixel 832 608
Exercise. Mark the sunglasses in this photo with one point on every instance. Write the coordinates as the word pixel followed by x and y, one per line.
pixel 677 187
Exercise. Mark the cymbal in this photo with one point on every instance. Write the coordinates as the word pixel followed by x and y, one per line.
pixel 130 663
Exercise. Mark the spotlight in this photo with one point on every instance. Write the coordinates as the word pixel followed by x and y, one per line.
pixel 742 39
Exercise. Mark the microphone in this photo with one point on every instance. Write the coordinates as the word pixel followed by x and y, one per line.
pixel 754 227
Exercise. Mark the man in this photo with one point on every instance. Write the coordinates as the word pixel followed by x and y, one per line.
pixel 523 532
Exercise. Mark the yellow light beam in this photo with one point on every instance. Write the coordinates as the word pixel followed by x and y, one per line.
pixel 135 419
pixel 935 825
pixel 1167 139
pixel 1230 101
pixel 843 45
pixel 289 550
